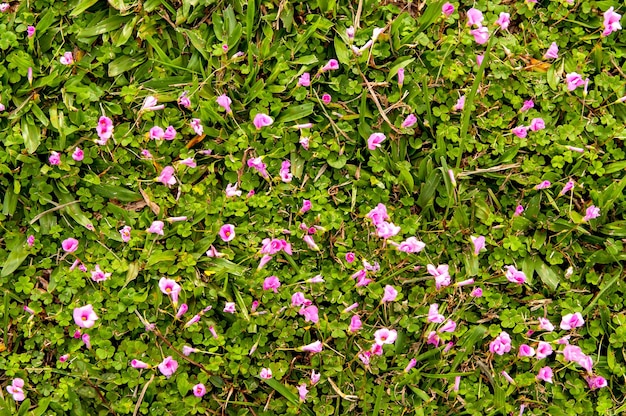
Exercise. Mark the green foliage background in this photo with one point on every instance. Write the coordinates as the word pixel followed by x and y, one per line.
pixel 127 51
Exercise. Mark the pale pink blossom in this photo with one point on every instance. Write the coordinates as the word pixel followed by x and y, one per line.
pixel 167 176
pixel 262 120
pixel 574 80
pixel 304 80
pixel 518 211
pixel 591 213
pixel 400 77
pixel 572 320
pixel 257 163
pixel 151 103
pixel 169 133
pixel 316 279
pixel 433 339
pixel 310 242
pixel 78 154
pixel 479 59
pixel 434 315
pixel 67 59
pixel 442 277
pixel 385 336
pixel 227 232
pixel 213 253
pixel 331 65
pixel 306 206
pixel 611 22
pixel 507 377
pixel 520 131
pixel 504 20
pixel 265 373
pixel 184 101
pixel 365 357
pixel 181 311
pixel 528 104
pixel 409 121
pixel 515 276
pixel 187 350
pixel 479 244
pixel 410 365
pixel 568 187
pixel 313 347
pixel 196 125
pixel 543 185
pixel 410 245
pixel 477 292
pixel 390 294
pixel 501 344
pixel 285 172
pixel 537 124
pixel 188 162
pixel 552 52
pixel 545 325
pixel 310 313
pixel 474 17
pixel 525 351
pixel 449 326
pixel 171 288
pixel 302 392
pixel 351 308
pixel 156 133
pixel 224 101
pixel 375 140
pixel 16 389
pixel 85 317
pixel 355 323
pixel 213 332
pixel 387 230
pixel 544 350
pixel 298 299
pixel 97 275
pixel 378 214
pixel 460 104
pixel 545 374
pixel 199 390
pixel 596 382
pixel 272 283
pixel 229 307
pixel 168 366
pixel 55 158
pixel 447 9
pixel 315 377
pixel 231 190
pixel 70 245
pixel 156 228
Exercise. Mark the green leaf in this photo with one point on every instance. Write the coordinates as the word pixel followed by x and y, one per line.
pixel 116 192
pixel 553 78
pixel 429 188
pixel 24 407
pixel 31 134
pixel 105 26
pixel 467 344
pixel 289 395
pixel 547 275
pixel 296 112
pixel 168 256
pixel 82 6
pixel 125 63
pixel 343 54
pixel 16 257
pixel 250 18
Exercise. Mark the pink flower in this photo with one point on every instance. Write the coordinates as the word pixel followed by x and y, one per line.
pixel 78 154
pixel 231 191
pixel 479 59
pixel 55 158
pixel 355 323
pixel 30 240
pixel 67 59
pixel 365 357
pixel 442 277
pixel 285 173
pixel 213 332
pixel 521 131
pixel 167 176
pixel 30 31
pixel 171 288
pixel 460 104
pixel 70 245
pixel 504 20
pixel 326 98
pixel 181 311
pixel 501 345
pixel 507 377
pixel 433 339
pixel 310 242
pixel 139 364
pixel 306 205
pixel 146 153
pixel 262 120
pixel 298 299
pixel 314 347
pixel 568 187
pixel 199 390
pixel 479 244
pixel 449 326
pixel 315 377
pixel 4 7
pixel 376 349
pixel 184 100
pixel 227 232
pixel 310 313
pixel 189 162
pixel 545 325
pixel 271 282
pixel 544 349
pixel 481 35
pixel 196 125
pixel 574 81
pixel 525 351
pixel 387 230
pixel 156 133
pixel 528 104
pixel 477 292
pixel 125 233
pixel 518 211
pixel 434 315
pixel 187 350
pixel 385 336
pixel 194 319
pixel 156 228
pixel 229 307
pixel 375 140
pixel 447 9
pixel 572 320
pixel 330 66
pixel 98 275
pixel 16 389
pixel 303 126
pixel 378 214
pixel 350 257
pixel 316 279
pixel 537 124
pixel 409 121
pixel 465 282
pixel 350 32
pixel 410 365
pixel 150 103
pixel 104 130
pixel 265 373
pixel 400 77
pixel 390 294
pixel 302 392
pixel 515 276
pixel 552 52
pixel 543 185
pixel 169 133
pixel 545 374
pixel 257 163
pixel 411 245
pixel 168 366
pixel 474 17
pixel 363 280
pixel 224 102
pixel 304 80
pixel 351 308
pixel 596 382
pixel 611 22
pixel 591 213
pixel 85 317
pixel 86 340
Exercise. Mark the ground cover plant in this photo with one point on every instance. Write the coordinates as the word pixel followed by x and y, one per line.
pixel 312 207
